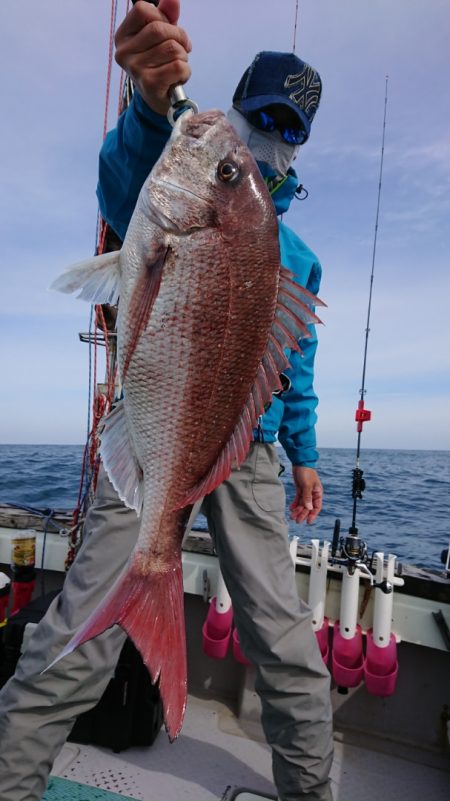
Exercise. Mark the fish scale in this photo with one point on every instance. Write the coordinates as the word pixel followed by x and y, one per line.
pixel 206 315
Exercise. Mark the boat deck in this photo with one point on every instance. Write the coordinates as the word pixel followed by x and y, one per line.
pixel 215 756
pixel 395 747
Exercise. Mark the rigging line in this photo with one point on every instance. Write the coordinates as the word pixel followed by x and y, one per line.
pixel 90 373
pixel 100 233
pixel 122 78
pixel 112 28
pixel 295 26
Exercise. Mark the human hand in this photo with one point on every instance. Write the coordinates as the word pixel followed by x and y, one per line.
pixel 308 499
pixel 153 50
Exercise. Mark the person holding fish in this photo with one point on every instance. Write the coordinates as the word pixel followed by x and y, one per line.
pixel 202 293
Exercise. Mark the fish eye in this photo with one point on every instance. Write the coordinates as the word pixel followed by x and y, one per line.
pixel 228 170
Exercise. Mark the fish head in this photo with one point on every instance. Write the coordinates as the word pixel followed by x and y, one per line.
pixel 206 177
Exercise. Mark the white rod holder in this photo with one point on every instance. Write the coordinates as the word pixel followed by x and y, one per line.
pixel 382 611
pixel 348 615
pixel 293 549
pixel 318 582
pixel 223 600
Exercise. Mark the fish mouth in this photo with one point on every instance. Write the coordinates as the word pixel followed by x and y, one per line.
pixel 196 125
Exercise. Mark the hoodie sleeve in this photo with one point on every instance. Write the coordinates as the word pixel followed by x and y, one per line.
pixel 128 154
pixel 297 432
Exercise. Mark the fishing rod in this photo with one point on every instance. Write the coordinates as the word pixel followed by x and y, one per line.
pixel 363 415
pixel 353 549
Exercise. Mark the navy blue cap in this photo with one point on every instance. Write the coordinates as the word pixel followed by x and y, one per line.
pixel 281 78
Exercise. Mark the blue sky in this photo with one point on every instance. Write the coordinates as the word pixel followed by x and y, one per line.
pixel 53 64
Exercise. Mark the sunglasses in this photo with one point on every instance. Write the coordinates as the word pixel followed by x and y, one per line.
pixel 264 122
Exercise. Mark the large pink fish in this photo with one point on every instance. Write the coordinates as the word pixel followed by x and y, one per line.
pixel 205 314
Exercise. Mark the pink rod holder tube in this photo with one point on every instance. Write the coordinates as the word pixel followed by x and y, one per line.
pixel 5 587
pixel 347 658
pixel 237 653
pixel 22 595
pixel 322 636
pixel 347 650
pixel 216 631
pixel 381 664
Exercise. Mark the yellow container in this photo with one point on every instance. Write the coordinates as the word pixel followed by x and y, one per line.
pixel 23 549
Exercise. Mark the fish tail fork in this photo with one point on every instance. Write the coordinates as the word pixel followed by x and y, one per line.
pixel 149 607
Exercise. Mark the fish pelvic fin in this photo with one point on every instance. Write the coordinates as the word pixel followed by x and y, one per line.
pixel 149 607
pixel 294 313
pixel 120 460
pixel 97 279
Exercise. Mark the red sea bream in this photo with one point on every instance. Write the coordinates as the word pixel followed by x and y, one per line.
pixel 205 315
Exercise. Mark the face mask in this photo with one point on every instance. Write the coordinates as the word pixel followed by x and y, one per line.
pixel 266 147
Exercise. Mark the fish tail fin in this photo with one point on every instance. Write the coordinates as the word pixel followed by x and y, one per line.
pixel 149 606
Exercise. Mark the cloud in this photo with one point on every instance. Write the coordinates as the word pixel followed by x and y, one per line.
pixel 52 100
pixel 431 154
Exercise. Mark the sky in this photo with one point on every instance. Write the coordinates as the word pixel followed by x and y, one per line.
pixel 53 60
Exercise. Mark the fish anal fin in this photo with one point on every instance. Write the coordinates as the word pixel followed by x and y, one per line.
pixel 278 353
pixel 283 335
pixel 294 313
pixel 287 281
pixel 149 607
pixel 97 278
pixel 119 459
pixel 144 295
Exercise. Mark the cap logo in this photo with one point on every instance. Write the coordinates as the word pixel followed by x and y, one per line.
pixel 307 95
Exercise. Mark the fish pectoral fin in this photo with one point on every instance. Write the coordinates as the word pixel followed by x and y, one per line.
pixel 144 295
pixel 98 279
pixel 119 459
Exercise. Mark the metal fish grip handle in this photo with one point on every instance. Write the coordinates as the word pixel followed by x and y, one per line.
pixel 179 104
pixel 179 101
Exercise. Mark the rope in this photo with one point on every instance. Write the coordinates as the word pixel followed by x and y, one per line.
pixel 112 28
pixel 122 77
pixel 98 404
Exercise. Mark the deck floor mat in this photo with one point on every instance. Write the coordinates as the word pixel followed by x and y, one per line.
pixel 65 790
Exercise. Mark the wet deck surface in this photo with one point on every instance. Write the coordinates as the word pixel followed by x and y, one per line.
pixel 213 753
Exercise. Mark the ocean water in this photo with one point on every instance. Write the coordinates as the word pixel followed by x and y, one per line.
pixel 405 507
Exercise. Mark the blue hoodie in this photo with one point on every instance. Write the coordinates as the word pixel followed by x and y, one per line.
pixel 127 156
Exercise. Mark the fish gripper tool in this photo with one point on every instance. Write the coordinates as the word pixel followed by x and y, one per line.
pixel 179 101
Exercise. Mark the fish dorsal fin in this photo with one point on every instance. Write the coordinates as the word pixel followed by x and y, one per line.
pixel 119 459
pixel 97 278
pixel 293 315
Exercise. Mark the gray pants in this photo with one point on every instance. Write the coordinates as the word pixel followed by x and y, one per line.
pixel 246 519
